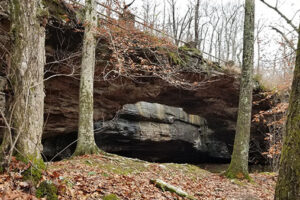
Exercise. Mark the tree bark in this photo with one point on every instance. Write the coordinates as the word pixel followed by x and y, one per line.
pixel 25 76
pixel 238 167
pixel 86 141
pixel 288 184
pixel 196 20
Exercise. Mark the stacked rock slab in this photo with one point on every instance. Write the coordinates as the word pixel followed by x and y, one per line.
pixel 158 132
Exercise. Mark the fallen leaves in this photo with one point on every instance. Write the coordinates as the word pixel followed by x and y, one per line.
pixel 92 177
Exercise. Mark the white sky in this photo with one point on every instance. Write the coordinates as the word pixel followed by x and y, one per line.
pixel 288 7
pixel 266 15
pixel 263 13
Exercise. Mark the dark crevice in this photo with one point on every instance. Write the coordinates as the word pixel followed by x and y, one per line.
pixel 167 151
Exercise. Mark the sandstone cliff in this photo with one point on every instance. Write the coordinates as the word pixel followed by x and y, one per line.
pixel 130 68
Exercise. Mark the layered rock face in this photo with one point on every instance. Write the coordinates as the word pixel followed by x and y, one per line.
pixel 158 132
pixel 215 100
pixel 153 132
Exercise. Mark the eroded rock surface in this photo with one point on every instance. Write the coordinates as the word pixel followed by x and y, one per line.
pixel 216 100
pixel 158 132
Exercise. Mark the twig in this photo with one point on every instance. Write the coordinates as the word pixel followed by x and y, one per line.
pixel 284 37
pixel 282 15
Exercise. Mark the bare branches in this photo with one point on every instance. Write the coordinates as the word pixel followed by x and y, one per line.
pixel 284 37
pixel 275 8
pixel 127 6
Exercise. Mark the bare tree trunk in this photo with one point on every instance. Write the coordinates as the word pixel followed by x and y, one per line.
pixel 214 27
pixel 288 184
pixel 234 46
pixel 164 17
pixel 204 40
pixel 108 10
pixel 25 75
pixel 238 167
pixel 172 4
pixel 259 29
pixel 258 56
pixel 86 141
pixel 196 20
pixel 220 32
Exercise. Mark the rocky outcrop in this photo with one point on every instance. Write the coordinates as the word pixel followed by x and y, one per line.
pixel 155 132
pixel 214 98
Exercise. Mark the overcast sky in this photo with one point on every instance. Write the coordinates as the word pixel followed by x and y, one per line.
pixel 289 7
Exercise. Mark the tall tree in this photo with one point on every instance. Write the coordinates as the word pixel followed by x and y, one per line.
pixel 25 76
pixel 178 24
pixel 196 20
pixel 238 167
pixel 288 184
pixel 86 141
pixel 25 72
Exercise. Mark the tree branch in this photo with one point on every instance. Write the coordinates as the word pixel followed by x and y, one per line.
pixel 284 37
pixel 282 15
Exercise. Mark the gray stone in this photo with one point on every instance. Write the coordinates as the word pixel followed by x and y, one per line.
pixel 143 128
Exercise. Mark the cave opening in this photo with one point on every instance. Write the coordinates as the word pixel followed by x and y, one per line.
pixel 62 147
pixel 156 133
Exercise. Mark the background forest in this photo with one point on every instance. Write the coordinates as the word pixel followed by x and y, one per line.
pixel 100 99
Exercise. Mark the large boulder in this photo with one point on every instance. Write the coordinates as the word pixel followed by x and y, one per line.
pixel 158 132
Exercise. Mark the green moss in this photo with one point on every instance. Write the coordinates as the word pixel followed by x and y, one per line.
pixel 55 9
pixel 187 49
pixel 239 182
pixel 268 173
pixel 15 11
pixel 43 11
pixel 258 83
pixel 86 150
pixel 121 169
pixel 34 172
pixel 233 173
pixel 117 165
pixel 187 169
pixel 183 56
pixel 175 58
pixel 48 190
pixel 88 162
pixel 105 174
pixel 110 197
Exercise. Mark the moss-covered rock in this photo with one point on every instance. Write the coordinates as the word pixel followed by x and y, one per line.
pixel 186 57
pixel 57 9
pixel 175 58
pixel 190 50
pixel 48 190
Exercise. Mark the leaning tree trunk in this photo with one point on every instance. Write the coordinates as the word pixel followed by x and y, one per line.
pixel 238 167
pixel 25 76
pixel 288 184
pixel 86 141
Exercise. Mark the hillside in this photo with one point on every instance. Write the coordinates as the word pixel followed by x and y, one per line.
pixel 133 66
pixel 171 110
pixel 94 177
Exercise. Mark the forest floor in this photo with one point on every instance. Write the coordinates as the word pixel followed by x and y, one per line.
pixel 95 176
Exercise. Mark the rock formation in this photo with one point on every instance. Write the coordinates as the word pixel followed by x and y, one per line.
pixel 154 132
pixel 214 97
